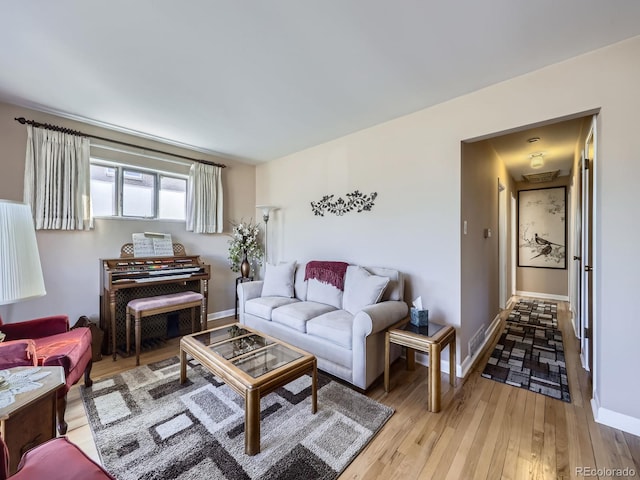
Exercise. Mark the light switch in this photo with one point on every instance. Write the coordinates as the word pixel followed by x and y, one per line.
pixel 464 227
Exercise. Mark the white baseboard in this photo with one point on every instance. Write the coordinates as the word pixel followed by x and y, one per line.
pixel 614 419
pixel 223 314
pixel 468 362
pixel 423 359
pixel 547 296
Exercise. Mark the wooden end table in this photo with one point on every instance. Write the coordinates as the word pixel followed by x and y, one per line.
pixel 432 340
pixel 31 419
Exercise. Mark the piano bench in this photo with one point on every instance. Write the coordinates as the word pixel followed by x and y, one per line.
pixel 145 307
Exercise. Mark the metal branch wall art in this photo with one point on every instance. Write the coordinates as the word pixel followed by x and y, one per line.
pixel 355 201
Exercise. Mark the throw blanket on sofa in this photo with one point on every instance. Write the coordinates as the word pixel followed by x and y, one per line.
pixel 327 272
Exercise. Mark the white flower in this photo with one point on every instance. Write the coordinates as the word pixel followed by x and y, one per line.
pixel 244 242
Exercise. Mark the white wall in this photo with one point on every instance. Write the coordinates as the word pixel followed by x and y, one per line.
pixel 413 163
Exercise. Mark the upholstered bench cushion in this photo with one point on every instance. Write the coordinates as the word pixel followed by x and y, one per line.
pixel 161 301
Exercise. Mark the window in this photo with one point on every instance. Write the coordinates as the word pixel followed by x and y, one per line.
pixel 124 191
pixel 138 194
pixel 172 198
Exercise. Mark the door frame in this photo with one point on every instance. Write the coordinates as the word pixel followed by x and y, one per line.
pixel 503 240
pixel 589 270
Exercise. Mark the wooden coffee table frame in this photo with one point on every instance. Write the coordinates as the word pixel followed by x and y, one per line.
pixel 250 388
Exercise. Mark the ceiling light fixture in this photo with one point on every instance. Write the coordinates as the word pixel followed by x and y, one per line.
pixel 533 139
pixel 536 160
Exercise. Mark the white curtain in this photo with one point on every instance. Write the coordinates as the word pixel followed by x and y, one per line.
pixel 56 180
pixel 204 199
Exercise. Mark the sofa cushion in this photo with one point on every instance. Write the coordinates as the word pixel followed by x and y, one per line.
pixel 300 284
pixel 296 315
pixel 395 289
pixel 336 327
pixel 320 292
pixel 362 289
pixel 278 280
pixel 263 306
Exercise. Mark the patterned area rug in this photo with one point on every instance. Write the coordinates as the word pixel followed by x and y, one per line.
pixel 530 352
pixel 148 426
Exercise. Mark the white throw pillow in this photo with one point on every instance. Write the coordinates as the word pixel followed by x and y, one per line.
pixel 321 292
pixel 362 289
pixel 278 280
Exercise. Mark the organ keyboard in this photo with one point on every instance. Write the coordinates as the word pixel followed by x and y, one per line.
pixel 124 279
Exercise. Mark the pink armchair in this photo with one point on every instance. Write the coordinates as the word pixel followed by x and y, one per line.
pixel 48 341
pixel 56 459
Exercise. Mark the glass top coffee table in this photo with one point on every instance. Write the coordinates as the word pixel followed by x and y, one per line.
pixel 251 363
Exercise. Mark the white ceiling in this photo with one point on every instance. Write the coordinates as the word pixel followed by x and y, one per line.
pixel 556 142
pixel 256 80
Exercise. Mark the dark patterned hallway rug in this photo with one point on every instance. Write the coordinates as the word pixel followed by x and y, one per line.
pixel 148 426
pixel 530 351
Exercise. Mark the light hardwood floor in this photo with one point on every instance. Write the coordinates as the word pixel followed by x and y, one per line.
pixel 486 430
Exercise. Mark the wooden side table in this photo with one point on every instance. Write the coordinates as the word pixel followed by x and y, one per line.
pixel 432 340
pixel 238 281
pixel 31 419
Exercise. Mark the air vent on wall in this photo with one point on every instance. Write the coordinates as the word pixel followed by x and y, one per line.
pixel 541 177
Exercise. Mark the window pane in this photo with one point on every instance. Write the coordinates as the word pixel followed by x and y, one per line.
pixel 103 191
pixel 172 198
pixel 138 198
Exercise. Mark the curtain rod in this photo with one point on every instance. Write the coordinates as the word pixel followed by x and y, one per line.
pixel 56 128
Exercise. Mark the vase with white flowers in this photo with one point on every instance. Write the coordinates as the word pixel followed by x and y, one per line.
pixel 245 251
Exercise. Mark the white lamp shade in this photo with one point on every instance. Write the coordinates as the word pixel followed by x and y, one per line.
pixel 20 270
pixel 266 209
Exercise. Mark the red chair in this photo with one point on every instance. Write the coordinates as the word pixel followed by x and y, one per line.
pixel 49 342
pixel 56 459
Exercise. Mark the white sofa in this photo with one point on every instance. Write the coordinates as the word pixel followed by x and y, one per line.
pixel 344 329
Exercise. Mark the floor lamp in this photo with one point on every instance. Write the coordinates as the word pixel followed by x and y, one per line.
pixel 20 270
pixel 266 210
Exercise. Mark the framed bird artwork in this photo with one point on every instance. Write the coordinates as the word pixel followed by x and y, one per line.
pixel 542 228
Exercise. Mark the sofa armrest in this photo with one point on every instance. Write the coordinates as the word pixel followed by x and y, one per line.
pixel 246 291
pixel 36 328
pixel 376 318
pixel 18 353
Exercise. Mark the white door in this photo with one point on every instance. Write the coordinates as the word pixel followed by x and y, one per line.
pixel 587 257
pixel 576 291
pixel 502 245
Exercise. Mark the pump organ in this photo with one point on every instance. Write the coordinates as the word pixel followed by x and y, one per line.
pixel 124 279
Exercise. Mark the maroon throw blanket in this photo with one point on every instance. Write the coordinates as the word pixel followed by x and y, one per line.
pixel 327 272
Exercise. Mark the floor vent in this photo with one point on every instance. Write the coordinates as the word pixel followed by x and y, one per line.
pixel 476 342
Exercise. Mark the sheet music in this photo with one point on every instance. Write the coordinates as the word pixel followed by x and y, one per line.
pixel 149 244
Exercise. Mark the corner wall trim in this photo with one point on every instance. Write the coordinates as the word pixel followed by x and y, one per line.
pixel 548 296
pixel 614 419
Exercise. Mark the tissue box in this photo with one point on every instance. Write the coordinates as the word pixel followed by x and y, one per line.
pixel 419 318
